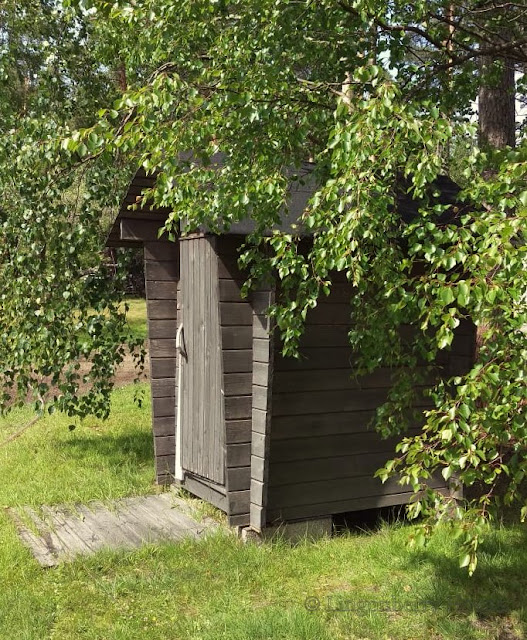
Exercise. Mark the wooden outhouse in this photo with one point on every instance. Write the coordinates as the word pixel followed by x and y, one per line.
pixel 267 439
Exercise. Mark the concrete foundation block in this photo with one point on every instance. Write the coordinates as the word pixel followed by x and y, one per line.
pixel 313 529
pixel 247 534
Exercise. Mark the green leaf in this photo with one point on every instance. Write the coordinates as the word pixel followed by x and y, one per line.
pixel 446 295
pixel 446 472
pixel 464 411
pixel 465 560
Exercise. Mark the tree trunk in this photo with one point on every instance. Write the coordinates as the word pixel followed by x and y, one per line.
pixel 497 104
pixel 497 123
pixel 121 77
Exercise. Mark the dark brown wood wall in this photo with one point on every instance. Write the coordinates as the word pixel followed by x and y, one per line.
pixel 322 454
pixel 236 333
pixel 162 277
pixel 263 356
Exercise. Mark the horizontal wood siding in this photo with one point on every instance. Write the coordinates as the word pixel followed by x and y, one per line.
pixel 162 279
pixel 236 336
pixel 314 510
pixel 142 230
pixel 334 490
pixel 294 403
pixel 323 454
pixel 329 447
pixel 317 469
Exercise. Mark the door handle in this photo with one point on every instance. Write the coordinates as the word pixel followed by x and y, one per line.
pixel 180 342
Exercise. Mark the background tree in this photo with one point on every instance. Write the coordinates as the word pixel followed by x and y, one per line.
pixel 378 95
pixel 62 325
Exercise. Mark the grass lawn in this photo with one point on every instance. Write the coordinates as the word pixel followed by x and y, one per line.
pixel 136 317
pixel 363 586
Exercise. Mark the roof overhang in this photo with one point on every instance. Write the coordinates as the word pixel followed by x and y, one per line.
pixel 133 227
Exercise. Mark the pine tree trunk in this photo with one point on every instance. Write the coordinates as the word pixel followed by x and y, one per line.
pixel 121 77
pixel 497 106
pixel 497 122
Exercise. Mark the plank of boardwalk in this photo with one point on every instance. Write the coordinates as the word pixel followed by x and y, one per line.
pixel 35 543
pixel 60 532
pixel 52 541
pixel 160 521
pixel 131 517
pixel 105 524
pixel 149 530
pixel 68 530
pixel 180 508
pixel 180 523
pixel 156 518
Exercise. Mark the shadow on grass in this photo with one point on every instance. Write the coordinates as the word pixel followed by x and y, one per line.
pixel 494 599
pixel 115 450
pixel 495 596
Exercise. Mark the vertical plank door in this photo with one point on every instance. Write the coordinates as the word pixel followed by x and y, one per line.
pixel 202 412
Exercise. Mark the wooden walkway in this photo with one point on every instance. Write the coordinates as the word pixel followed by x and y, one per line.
pixel 60 533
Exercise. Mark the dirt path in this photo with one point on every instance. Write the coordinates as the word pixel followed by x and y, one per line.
pixel 126 372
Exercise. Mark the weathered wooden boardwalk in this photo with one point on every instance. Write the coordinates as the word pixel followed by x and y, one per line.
pixel 60 533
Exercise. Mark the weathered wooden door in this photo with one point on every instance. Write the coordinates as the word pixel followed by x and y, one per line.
pixel 202 416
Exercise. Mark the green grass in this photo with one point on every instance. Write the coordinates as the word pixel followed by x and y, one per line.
pixel 367 586
pixel 97 460
pixel 136 317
